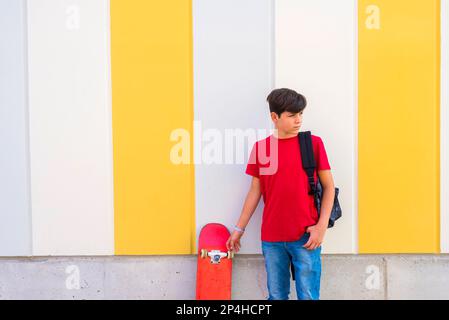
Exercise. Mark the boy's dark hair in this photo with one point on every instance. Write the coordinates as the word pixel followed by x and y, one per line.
pixel 281 100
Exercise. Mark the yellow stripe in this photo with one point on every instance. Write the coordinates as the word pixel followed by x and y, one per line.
pixel 152 92
pixel 399 126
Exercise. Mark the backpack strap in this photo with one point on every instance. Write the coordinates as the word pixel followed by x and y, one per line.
pixel 308 159
pixel 308 164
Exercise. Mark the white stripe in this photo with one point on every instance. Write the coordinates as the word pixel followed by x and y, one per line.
pixel 316 55
pixel 70 127
pixel 15 217
pixel 232 78
pixel 355 196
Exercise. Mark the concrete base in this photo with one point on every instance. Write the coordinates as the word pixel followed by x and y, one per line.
pixel 173 277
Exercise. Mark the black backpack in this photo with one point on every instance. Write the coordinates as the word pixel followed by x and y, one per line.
pixel 308 164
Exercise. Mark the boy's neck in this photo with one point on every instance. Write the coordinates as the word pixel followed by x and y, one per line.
pixel 283 135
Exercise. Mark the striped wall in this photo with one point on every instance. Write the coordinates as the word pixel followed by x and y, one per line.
pixel 109 111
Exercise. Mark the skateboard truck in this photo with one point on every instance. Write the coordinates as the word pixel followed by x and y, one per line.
pixel 216 255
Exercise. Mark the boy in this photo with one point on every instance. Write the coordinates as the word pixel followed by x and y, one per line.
pixel 292 231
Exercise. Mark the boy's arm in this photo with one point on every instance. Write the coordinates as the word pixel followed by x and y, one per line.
pixel 251 202
pixel 317 231
pixel 250 205
pixel 327 182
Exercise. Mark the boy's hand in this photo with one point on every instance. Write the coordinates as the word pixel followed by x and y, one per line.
pixel 233 243
pixel 316 236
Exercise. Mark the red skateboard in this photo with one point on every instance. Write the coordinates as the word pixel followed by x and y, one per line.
pixel 214 270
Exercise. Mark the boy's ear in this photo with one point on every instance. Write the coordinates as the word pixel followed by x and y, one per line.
pixel 274 116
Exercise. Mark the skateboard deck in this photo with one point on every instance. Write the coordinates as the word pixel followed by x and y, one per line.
pixel 214 269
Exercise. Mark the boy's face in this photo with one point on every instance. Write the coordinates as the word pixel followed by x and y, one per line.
pixel 288 123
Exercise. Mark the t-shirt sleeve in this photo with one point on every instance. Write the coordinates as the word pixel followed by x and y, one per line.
pixel 252 167
pixel 322 162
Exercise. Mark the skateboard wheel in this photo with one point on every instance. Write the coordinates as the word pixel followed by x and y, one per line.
pixel 230 254
pixel 203 253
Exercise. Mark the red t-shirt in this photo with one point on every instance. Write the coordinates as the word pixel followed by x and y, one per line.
pixel 288 209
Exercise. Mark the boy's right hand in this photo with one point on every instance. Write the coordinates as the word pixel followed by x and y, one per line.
pixel 233 243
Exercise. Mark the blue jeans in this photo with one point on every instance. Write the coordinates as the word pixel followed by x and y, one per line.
pixel 307 265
